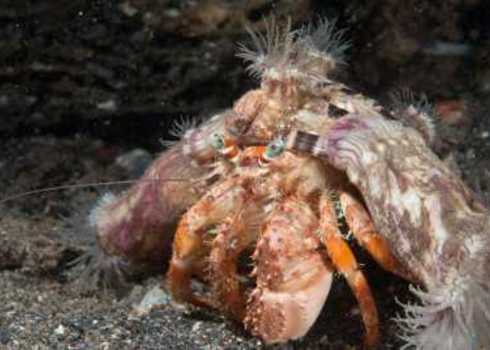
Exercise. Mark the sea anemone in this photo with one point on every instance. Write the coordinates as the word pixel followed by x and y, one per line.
pixel 305 55
pixel 455 317
pixel 415 111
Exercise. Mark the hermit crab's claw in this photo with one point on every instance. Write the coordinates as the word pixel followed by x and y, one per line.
pixel 433 223
pixel 293 280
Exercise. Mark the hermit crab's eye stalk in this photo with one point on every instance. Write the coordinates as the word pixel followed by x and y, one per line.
pixel 217 141
pixel 224 147
pixel 274 149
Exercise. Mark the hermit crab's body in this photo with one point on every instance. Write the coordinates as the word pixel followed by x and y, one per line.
pixel 280 205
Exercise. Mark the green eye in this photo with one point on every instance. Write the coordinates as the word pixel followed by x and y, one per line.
pixel 275 148
pixel 217 141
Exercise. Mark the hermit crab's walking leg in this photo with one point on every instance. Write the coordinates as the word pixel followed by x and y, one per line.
pixel 234 236
pixel 189 243
pixel 362 227
pixel 293 278
pixel 345 262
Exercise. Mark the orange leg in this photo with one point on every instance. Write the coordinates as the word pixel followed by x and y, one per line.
pixel 189 249
pixel 345 262
pixel 362 227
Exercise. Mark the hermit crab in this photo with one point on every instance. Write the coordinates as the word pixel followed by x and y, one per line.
pixel 229 186
pixel 282 204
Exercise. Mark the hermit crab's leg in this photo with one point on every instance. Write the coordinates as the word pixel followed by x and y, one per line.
pixel 246 110
pixel 293 278
pixel 187 248
pixel 345 262
pixel 189 243
pixel 362 227
pixel 234 236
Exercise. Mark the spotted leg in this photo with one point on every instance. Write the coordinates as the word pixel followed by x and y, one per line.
pixel 345 262
pixel 189 246
pixel 362 227
pixel 234 236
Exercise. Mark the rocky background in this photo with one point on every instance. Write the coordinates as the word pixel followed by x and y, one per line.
pixel 88 91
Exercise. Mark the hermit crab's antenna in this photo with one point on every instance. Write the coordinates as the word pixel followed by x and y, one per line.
pixel 82 186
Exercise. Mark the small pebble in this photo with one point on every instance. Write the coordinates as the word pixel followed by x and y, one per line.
pixel 109 105
pixel 4 336
pixel 196 326
pixel 154 297
pixel 60 330
pixel 135 162
pixel 172 13
pixel 355 311
pixel 128 9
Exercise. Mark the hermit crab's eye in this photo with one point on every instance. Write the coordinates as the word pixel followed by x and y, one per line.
pixel 217 141
pixel 275 148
